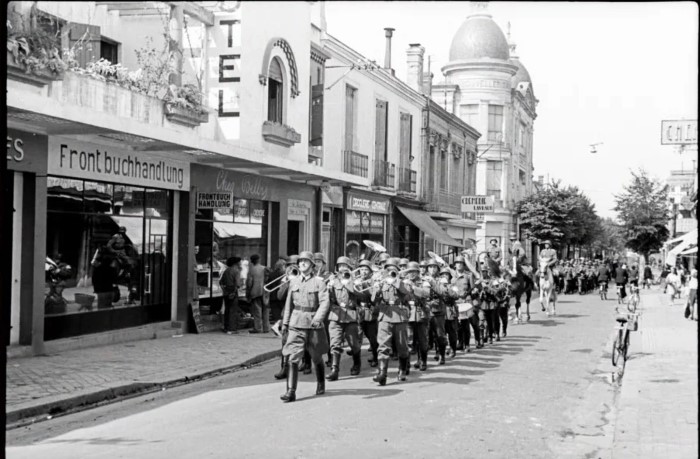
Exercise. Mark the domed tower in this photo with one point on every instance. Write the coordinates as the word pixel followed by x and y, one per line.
pixel 482 81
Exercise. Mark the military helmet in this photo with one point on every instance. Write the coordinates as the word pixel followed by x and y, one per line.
pixel 382 257
pixel 446 270
pixel 412 266
pixel 318 256
pixel 433 262
pixel 365 264
pixel 306 255
pixel 393 261
pixel 546 241
pixel 403 261
pixel 460 259
pixel 423 264
pixel 293 259
pixel 344 261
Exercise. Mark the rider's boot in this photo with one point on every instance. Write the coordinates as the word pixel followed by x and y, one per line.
pixel 424 360
pixel 335 367
pixel 284 368
pixel 380 377
pixel 292 379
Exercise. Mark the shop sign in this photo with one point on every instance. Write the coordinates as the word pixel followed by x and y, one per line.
pixel 367 204
pixel 477 204
pixel 26 152
pixel 679 132
pixel 248 186
pixel 214 200
pixel 298 207
pixel 84 160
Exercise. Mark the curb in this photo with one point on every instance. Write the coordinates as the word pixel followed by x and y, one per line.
pixel 46 411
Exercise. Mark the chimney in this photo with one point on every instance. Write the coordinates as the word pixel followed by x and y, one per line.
pixel 388 32
pixel 428 81
pixel 414 66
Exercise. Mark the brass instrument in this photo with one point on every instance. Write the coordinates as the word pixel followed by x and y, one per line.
pixel 442 262
pixel 291 273
pixel 375 249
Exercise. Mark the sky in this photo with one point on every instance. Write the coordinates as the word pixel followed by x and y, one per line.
pixel 603 73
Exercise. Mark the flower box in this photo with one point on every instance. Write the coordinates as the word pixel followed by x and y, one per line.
pixel 280 134
pixel 19 73
pixel 184 116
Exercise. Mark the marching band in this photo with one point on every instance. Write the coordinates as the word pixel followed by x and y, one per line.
pixel 403 307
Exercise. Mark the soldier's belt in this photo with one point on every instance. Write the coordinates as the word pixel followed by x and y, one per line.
pixel 305 308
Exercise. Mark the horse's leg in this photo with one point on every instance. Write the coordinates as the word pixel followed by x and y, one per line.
pixel 543 292
pixel 517 317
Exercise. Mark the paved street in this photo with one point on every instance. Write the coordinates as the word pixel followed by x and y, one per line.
pixel 544 391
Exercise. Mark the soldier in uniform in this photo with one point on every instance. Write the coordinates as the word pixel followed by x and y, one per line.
pixel 304 312
pixel 494 257
pixel 448 295
pixel 437 311
pixel 391 297
pixel 461 284
pixel 423 268
pixel 343 318
pixel 368 314
pixel 548 256
pixel 322 273
pixel 403 264
pixel 281 294
pixel 419 315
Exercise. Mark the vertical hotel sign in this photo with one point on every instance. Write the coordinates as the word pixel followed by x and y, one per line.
pixel 224 71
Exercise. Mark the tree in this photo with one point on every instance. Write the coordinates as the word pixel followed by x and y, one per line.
pixel 563 215
pixel 642 209
pixel 608 237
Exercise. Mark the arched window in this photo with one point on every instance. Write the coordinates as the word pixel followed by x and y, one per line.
pixel 275 92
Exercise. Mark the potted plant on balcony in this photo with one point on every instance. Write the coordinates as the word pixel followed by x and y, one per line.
pixel 183 105
pixel 33 56
pixel 280 134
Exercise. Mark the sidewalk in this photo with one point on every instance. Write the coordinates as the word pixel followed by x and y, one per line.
pixel 45 385
pixel 658 403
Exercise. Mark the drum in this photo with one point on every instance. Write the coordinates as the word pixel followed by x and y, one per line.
pixel 465 310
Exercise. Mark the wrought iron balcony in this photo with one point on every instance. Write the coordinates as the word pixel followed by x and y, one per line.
pixel 384 174
pixel 407 180
pixel 355 163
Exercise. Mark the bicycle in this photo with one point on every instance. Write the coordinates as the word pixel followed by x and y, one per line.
pixel 626 322
pixel 603 290
pixel 619 294
pixel 634 298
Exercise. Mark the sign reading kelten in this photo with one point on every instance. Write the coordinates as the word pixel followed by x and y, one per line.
pixel 477 203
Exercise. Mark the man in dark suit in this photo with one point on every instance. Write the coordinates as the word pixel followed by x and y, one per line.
pixel 254 293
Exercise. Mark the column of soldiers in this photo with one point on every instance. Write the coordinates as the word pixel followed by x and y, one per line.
pixel 403 307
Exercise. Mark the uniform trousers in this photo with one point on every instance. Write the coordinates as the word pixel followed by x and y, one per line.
pixel 348 331
pixel 395 333
pixel 502 317
pixel 418 335
pixel 369 329
pixel 451 328
pixel 491 317
pixel 464 332
pixel 313 340
pixel 437 323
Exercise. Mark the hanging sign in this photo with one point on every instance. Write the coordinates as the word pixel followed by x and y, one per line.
pixel 477 204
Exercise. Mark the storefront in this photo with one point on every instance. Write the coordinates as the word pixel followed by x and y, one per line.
pixel 406 236
pixel 238 214
pixel 110 220
pixel 366 218
pixel 434 238
pixel 333 225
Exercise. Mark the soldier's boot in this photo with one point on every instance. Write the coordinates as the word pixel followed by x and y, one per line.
pixel 335 367
pixel 423 360
pixel 292 379
pixel 330 359
pixel 373 362
pixel 403 365
pixel 380 377
pixel 306 364
pixel 284 364
pixel 356 364
pixel 320 379
pixel 418 362
pixel 407 365
pixel 437 352
pixel 442 353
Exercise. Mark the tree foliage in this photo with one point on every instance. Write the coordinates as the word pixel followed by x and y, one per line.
pixel 642 209
pixel 563 215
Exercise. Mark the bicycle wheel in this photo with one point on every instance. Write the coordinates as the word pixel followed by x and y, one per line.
pixel 615 352
pixel 626 348
pixel 602 294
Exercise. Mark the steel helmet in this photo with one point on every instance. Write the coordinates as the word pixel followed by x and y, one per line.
pixel 412 266
pixel 382 257
pixel 293 260
pixel 306 255
pixel 403 261
pixel 393 261
pixel 343 261
pixel 460 259
pixel 366 264
pixel 433 262
pixel 423 264
pixel 318 256
pixel 446 270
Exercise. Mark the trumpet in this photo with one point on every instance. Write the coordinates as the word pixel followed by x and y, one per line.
pixel 290 274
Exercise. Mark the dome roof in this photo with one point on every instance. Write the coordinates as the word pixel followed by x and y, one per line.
pixel 522 76
pixel 479 37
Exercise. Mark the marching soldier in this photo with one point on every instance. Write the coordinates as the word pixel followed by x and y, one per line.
pixel 419 315
pixel 304 312
pixel 437 311
pixel 368 314
pixel 390 296
pixel 343 318
pixel 448 295
pixel 462 285
pixel 323 274
pixel 282 297
pixel 494 257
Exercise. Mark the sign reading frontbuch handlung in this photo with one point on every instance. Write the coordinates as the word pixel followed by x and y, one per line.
pixel 477 203
pixel 73 158
pixel 214 200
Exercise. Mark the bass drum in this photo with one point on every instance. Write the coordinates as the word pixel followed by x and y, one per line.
pixel 465 310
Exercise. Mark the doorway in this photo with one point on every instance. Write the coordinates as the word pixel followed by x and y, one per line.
pixel 293 236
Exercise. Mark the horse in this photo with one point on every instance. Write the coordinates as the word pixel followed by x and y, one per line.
pixel 547 288
pixel 520 282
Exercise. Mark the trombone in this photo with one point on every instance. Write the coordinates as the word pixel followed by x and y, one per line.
pixel 442 262
pixel 289 274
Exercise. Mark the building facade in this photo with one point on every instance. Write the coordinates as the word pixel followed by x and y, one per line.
pixel 489 88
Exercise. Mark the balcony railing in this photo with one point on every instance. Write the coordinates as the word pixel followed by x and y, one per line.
pixel 355 163
pixel 407 180
pixel 444 201
pixel 384 174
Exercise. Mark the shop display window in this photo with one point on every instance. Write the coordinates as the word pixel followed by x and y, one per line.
pixel 361 226
pixel 107 247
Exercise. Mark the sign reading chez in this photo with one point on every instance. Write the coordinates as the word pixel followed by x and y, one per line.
pixel 477 204
pixel 74 158
pixel 214 200
pixel 365 203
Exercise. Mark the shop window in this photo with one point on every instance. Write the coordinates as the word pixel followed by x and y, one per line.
pixel 362 226
pixel 107 249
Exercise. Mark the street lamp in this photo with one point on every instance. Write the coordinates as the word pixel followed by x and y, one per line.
pixel 593 145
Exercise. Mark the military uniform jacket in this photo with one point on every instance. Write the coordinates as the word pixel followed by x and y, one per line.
pixel 343 302
pixel 548 256
pixel 392 302
pixel 363 300
pixel 307 300
pixel 433 300
pixel 419 310
pixel 448 293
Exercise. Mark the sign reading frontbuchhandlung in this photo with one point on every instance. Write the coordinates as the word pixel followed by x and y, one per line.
pixel 73 158
pixel 477 204
pixel 214 200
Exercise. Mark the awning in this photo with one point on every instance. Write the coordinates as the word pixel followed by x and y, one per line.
pixel 426 224
pixel 692 235
pixel 684 245
pixel 690 251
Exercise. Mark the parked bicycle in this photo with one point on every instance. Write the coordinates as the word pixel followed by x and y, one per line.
pixel 626 322
pixel 603 290
pixel 619 294
pixel 634 300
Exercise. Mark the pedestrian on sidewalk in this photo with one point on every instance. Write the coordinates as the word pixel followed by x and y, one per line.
pixel 257 274
pixel 229 282
pixel 672 282
pixel 691 308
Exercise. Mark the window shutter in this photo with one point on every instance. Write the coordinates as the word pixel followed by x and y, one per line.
pixel 349 118
pixel 405 145
pixel 316 139
pixel 380 131
pixel 275 72
pixel 84 39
